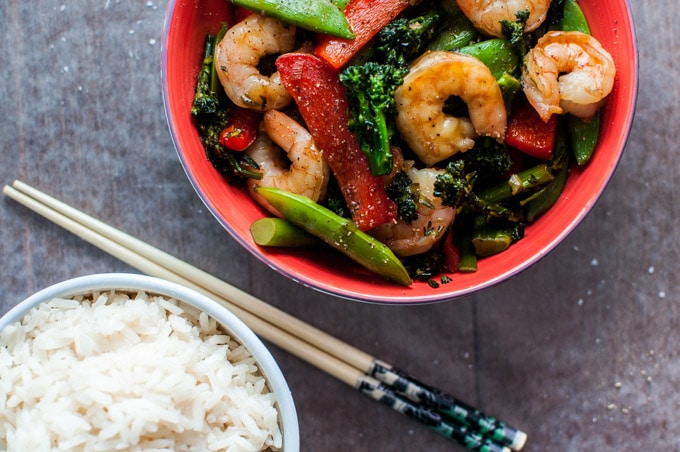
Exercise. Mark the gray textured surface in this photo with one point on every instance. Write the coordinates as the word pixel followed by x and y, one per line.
pixel 580 351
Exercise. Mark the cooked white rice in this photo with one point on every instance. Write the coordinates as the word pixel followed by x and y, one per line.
pixel 114 371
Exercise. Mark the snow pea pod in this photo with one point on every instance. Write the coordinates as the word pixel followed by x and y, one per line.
pixel 271 231
pixel 553 189
pixel 458 31
pixel 338 232
pixel 573 18
pixel 584 134
pixel 497 54
pixel 321 16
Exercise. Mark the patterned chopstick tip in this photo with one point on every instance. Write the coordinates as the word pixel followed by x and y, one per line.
pixel 448 406
pixel 454 431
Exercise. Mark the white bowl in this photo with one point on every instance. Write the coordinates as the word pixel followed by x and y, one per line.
pixel 288 420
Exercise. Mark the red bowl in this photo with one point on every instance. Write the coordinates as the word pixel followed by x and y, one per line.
pixel 188 21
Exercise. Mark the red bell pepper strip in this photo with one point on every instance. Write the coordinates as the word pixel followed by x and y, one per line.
pixel 450 253
pixel 241 129
pixel 366 18
pixel 320 97
pixel 528 133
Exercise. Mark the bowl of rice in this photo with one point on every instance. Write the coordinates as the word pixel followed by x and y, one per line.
pixel 129 362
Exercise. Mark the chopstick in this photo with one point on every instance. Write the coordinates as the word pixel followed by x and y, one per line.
pixel 379 380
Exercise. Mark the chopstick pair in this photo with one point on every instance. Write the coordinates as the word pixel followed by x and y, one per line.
pixel 377 379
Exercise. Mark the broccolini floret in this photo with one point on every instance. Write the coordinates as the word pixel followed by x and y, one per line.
pixel 403 39
pixel 370 91
pixel 371 86
pixel 206 99
pixel 455 185
pixel 514 32
pixel 488 158
pixel 404 196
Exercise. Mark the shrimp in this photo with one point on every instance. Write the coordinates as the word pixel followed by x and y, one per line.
pixel 308 172
pixel 432 79
pixel 419 236
pixel 567 71
pixel 238 54
pixel 486 15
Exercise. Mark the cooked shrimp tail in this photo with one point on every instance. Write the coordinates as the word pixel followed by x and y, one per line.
pixel 567 72
pixel 432 79
pixel 237 57
pixel 302 171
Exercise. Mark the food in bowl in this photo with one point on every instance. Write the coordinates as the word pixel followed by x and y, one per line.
pixel 495 229
pixel 130 369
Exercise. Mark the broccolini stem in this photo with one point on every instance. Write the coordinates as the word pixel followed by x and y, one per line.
pixel 205 99
pixel 524 181
pixel 468 257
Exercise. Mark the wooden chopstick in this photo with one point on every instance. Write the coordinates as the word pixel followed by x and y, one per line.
pixel 375 378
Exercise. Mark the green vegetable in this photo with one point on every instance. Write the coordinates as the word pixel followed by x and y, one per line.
pixel 402 192
pixel 458 30
pixel 271 231
pixel 503 62
pixel 489 237
pixel 370 91
pixel 457 188
pixel 340 4
pixel 524 181
pixel 468 256
pixel 488 158
pixel 553 189
pixel 573 18
pixel 371 86
pixel 455 185
pixel 206 99
pixel 315 15
pixel 403 39
pixel 510 86
pixel 497 54
pixel 584 134
pixel 514 33
pixel 338 232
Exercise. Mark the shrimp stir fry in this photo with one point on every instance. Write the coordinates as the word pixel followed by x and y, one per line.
pixel 238 54
pixel 487 15
pixel 567 72
pixel 432 134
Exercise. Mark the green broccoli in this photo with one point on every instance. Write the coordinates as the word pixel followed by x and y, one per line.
pixel 458 188
pixel 401 191
pixel 371 86
pixel 370 91
pixel 403 39
pixel 489 158
pixel 206 100
pixel 455 186
pixel 514 32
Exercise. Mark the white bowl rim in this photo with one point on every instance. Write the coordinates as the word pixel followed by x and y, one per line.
pixel 240 331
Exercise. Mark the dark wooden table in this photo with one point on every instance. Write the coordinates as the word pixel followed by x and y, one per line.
pixel 580 351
